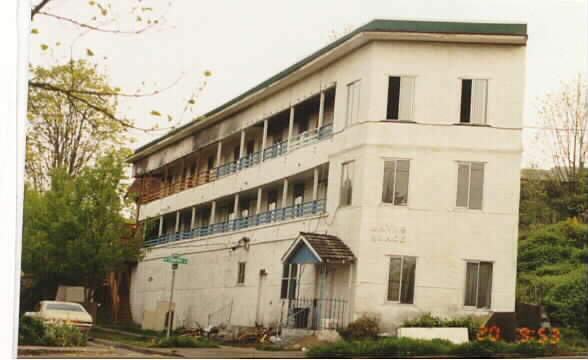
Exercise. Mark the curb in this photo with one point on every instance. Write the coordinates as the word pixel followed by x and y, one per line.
pixel 24 350
pixel 136 348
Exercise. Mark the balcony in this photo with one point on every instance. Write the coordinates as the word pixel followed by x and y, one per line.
pixel 272 216
pixel 247 161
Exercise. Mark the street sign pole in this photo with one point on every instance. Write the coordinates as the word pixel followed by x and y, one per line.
pixel 171 298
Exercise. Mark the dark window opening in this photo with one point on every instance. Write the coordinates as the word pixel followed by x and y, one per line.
pixel 393 97
pixel 466 101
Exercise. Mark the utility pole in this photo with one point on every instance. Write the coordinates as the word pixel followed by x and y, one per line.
pixel 171 298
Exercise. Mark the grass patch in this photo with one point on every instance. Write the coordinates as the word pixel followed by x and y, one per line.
pixel 132 328
pixel 185 342
pixel 406 347
pixel 139 340
pixel 271 347
pixel 156 341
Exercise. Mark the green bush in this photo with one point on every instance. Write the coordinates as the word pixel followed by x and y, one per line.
pixel 30 331
pixel 33 331
pixel 64 335
pixel 572 340
pixel 365 327
pixel 408 347
pixel 428 321
pixel 388 347
pixel 185 342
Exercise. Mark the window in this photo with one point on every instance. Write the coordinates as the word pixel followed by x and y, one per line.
pixel 346 183
pixel 236 152
pixel 400 98
pixel 272 200
pixel 401 279
pixel 298 193
pixel 478 287
pixel 353 92
pixel 473 101
pixel 395 189
pixel 250 147
pixel 210 162
pixel 289 281
pixel 470 185
pixel 241 273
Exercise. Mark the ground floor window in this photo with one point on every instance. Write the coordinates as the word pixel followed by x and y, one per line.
pixel 289 281
pixel 241 273
pixel 478 287
pixel 401 279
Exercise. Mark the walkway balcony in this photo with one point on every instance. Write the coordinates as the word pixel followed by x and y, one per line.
pixel 272 216
pixel 247 161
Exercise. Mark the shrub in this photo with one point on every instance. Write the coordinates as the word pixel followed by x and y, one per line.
pixel 185 341
pixel 572 340
pixel 484 349
pixel 427 321
pixel 30 331
pixel 389 347
pixel 365 327
pixel 64 335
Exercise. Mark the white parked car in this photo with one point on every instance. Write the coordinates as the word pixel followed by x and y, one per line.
pixel 61 312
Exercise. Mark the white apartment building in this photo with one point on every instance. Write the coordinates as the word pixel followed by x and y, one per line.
pixel 380 174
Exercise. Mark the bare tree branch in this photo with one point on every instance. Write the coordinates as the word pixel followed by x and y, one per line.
pixel 38 8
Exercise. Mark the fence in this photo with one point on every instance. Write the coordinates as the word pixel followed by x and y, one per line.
pixel 312 313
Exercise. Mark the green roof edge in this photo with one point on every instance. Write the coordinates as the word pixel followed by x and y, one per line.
pixel 447 27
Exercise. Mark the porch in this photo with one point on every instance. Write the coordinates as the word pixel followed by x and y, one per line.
pixel 326 305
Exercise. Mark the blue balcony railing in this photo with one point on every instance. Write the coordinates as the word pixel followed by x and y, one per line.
pixel 305 209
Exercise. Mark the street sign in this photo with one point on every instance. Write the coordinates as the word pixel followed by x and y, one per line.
pixel 175 260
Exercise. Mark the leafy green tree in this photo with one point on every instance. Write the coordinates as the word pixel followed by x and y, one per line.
pixel 552 264
pixel 69 132
pixel 73 232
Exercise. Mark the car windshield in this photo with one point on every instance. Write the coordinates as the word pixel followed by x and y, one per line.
pixel 64 307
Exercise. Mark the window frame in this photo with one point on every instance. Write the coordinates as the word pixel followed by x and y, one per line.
pixel 288 278
pixel 469 186
pixel 459 107
pixel 241 267
pixel 465 288
pixel 349 117
pixel 412 103
pixel 341 189
pixel 387 288
pixel 385 159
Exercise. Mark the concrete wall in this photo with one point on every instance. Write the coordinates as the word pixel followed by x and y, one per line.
pixel 441 236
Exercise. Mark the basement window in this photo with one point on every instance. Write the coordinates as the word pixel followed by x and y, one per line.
pixel 478 287
pixel 401 279
pixel 470 185
pixel 241 273
pixel 473 101
pixel 400 98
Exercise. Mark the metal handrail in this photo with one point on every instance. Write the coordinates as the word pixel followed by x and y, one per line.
pixel 300 210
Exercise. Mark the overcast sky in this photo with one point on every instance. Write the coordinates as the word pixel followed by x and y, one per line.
pixel 244 42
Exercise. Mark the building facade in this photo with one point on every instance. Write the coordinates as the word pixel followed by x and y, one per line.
pixel 380 174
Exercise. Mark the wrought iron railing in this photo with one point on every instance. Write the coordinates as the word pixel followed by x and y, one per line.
pixel 222 316
pixel 305 209
pixel 313 313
